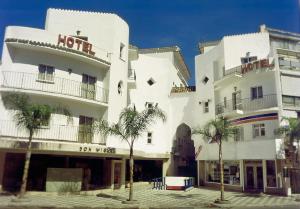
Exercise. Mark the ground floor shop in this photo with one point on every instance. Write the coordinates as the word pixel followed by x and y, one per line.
pixel 244 175
pixel 58 172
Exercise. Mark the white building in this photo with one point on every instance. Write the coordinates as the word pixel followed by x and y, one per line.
pixel 83 60
pixel 252 80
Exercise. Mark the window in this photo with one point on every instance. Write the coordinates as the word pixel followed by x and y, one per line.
pixel 256 92
pixel 122 50
pixel 120 87
pixel 149 105
pixel 46 73
pixel 205 79
pixel 259 130
pixel 225 102
pixel 206 107
pixel 151 81
pixel 149 137
pixel 231 172
pixel 88 87
pixel 85 134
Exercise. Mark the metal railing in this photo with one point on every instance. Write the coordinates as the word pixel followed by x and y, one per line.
pixel 289 64
pixel 183 89
pixel 247 104
pixel 54 84
pixel 188 183
pixel 159 183
pixel 81 134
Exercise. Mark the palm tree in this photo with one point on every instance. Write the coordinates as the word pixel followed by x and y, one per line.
pixel 291 133
pixel 31 117
pixel 130 126
pixel 217 131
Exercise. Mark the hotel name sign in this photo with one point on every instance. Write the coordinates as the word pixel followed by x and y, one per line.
pixel 264 63
pixel 75 43
pixel 108 150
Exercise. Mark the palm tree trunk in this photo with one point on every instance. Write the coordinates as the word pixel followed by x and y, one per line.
pixel 221 171
pixel 26 166
pixel 131 173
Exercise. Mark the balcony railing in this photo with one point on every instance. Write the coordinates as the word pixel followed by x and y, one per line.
pixel 55 85
pixel 289 65
pixel 71 133
pixel 183 89
pixel 247 105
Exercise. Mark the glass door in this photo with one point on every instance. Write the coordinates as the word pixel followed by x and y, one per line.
pixel 88 87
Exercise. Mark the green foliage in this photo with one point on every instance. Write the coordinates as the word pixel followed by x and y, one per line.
pixel 131 123
pixel 31 116
pixel 291 131
pixel 216 130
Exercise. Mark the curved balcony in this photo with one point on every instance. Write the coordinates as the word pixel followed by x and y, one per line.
pixel 54 86
pixel 231 108
pixel 68 133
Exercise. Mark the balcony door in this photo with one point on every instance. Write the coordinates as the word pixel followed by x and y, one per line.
pixel 237 100
pixel 85 133
pixel 88 87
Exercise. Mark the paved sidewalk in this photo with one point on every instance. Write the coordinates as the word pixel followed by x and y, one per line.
pixel 147 198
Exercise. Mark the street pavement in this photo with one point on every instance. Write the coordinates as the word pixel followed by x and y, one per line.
pixel 148 198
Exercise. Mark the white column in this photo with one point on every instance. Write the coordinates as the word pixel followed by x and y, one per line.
pixel 2 163
pixel 264 164
pixel 123 173
pixel 242 177
pixel 166 167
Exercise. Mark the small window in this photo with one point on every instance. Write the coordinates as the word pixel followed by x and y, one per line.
pixel 149 105
pixel 205 79
pixel 259 130
pixel 149 137
pixel 46 73
pixel 256 92
pixel 120 87
pixel 206 107
pixel 122 50
pixel 151 81
pixel 225 102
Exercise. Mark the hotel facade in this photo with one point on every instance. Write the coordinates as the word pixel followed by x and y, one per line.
pixel 84 61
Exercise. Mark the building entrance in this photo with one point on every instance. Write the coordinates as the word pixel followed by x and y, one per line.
pixel 253 176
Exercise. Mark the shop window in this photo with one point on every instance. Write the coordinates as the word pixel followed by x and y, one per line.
pixel 46 73
pixel 149 137
pixel 85 134
pixel 271 173
pixel 231 172
pixel 259 130
pixel 256 92
pixel 88 86
pixel 206 107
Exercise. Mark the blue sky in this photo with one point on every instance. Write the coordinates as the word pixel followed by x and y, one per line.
pixel 159 23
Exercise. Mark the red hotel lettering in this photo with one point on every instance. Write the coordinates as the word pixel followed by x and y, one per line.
pixel 255 65
pixel 79 44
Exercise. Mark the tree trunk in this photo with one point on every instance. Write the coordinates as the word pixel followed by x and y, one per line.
pixel 221 171
pixel 26 166
pixel 131 164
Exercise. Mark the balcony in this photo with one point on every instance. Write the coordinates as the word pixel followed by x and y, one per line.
pixel 67 133
pixel 242 106
pixel 183 89
pixel 54 86
pixel 289 64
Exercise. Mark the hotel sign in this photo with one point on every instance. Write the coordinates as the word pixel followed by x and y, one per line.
pixel 110 150
pixel 264 63
pixel 75 43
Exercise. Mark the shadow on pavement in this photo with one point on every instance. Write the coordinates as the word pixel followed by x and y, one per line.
pixel 107 196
